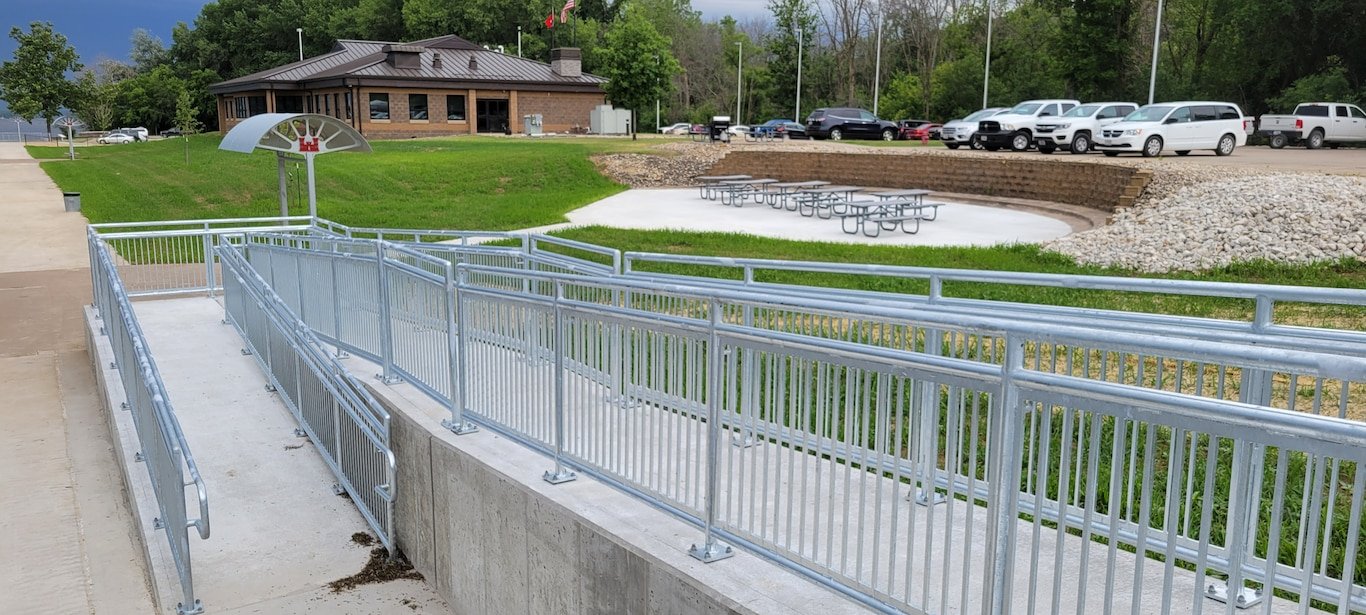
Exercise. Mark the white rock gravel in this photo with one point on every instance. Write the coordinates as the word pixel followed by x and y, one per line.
pixel 1192 222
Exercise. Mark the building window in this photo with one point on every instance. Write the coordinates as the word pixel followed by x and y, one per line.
pixel 379 106
pixel 327 105
pixel 336 105
pixel 348 105
pixel 455 107
pixel 417 106
pixel 247 106
pixel 289 104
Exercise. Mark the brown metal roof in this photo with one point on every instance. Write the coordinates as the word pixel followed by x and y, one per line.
pixel 366 60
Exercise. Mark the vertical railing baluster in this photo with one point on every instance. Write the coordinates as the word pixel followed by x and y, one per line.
pixel 386 333
pixel 455 334
pixel 560 474
pixel 711 550
pixel 1003 468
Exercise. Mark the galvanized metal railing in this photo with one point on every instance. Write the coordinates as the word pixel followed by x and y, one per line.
pixel 164 451
pixel 918 455
pixel 349 426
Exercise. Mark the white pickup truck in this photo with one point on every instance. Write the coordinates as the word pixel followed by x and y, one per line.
pixel 1315 124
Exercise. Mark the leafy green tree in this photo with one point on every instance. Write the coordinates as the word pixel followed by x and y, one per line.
pixel 149 99
pixel 35 83
pixel 94 101
pixel 794 27
pixel 1329 84
pixel 635 80
pixel 902 97
pixel 148 51
pixel 1093 44
pixel 185 119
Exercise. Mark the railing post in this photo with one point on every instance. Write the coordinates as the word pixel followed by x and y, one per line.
pixel 1003 470
pixel 560 474
pixel 208 260
pixel 711 550
pixel 926 464
pixel 386 331
pixel 455 335
pixel 336 304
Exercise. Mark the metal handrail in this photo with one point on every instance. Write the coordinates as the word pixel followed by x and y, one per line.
pixel 115 309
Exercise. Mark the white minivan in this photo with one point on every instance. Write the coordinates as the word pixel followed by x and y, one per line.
pixel 1176 126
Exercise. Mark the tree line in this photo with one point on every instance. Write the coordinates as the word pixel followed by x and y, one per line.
pixel 1262 54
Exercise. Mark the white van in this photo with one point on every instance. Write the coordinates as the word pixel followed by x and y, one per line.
pixel 1176 126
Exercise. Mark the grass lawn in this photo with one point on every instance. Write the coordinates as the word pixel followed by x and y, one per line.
pixel 1344 274
pixel 468 183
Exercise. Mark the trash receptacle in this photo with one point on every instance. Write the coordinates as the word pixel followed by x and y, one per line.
pixel 72 200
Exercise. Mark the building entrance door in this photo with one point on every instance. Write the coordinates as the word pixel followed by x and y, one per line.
pixel 491 115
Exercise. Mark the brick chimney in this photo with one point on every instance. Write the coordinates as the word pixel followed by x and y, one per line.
pixel 566 62
pixel 436 61
pixel 403 56
pixel 474 63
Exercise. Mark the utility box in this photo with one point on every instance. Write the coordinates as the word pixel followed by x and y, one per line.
pixel 531 124
pixel 604 120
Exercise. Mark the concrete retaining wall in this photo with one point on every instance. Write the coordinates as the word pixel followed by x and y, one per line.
pixel 474 516
pixel 1099 186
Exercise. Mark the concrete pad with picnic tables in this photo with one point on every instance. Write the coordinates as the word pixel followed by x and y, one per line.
pixel 681 209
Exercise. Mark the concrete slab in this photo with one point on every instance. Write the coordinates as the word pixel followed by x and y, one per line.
pixel 39 234
pixel 959 224
pixel 279 533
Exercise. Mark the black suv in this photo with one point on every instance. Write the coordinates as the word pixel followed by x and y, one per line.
pixel 838 123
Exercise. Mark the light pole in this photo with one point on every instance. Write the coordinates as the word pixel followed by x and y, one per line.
pixel 739 62
pixel 301 43
pixel 877 64
pixel 986 77
pixel 800 45
pixel 656 92
pixel 519 41
pixel 1157 38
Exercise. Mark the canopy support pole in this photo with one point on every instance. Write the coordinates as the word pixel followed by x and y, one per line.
pixel 284 187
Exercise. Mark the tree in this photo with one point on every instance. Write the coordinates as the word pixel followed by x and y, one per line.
pixel 94 103
pixel 635 79
pixel 794 32
pixel 35 82
pixel 148 51
pixel 185 119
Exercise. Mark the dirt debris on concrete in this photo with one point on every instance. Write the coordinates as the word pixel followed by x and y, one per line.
pixel 363 539
pixel 379 569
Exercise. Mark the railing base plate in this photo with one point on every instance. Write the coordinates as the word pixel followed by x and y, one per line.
pixel 555 478
pixel 459 429
pixel 714 553
pixel 1247 597
pixel 195 609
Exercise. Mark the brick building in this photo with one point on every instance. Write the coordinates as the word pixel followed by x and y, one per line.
pixel 439 86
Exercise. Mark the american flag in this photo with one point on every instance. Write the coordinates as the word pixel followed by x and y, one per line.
pixel 564 12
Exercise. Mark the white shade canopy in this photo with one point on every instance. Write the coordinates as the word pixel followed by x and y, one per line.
pixel 293 133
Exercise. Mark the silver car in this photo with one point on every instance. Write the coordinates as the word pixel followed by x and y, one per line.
pixel 959 132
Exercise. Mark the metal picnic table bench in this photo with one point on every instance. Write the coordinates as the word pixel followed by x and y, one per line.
pixel 812 201
pixel 740 189
pixel 710 182
pixel 915 193
pixel 779 193
pixel 872 216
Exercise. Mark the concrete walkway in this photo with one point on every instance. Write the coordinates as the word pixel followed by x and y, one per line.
pixel 66 532
pixel 280 534
pixel 959 224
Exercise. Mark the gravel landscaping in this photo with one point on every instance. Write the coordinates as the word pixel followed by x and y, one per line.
pixel 1191 217
pixel 1284 218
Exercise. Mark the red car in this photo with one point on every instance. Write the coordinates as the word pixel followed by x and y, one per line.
pixel 921 132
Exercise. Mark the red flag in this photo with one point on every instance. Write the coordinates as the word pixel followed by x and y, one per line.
pixel 550 21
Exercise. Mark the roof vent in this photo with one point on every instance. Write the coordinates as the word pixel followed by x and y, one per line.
pixel 436 61
pixel 474 63
pixel 403 56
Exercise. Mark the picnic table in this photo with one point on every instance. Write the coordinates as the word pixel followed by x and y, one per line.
pixel 740 189
pixel 915 193
pixel 872 216
pixel 812 201
pixel 779 193
pixel 709 182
